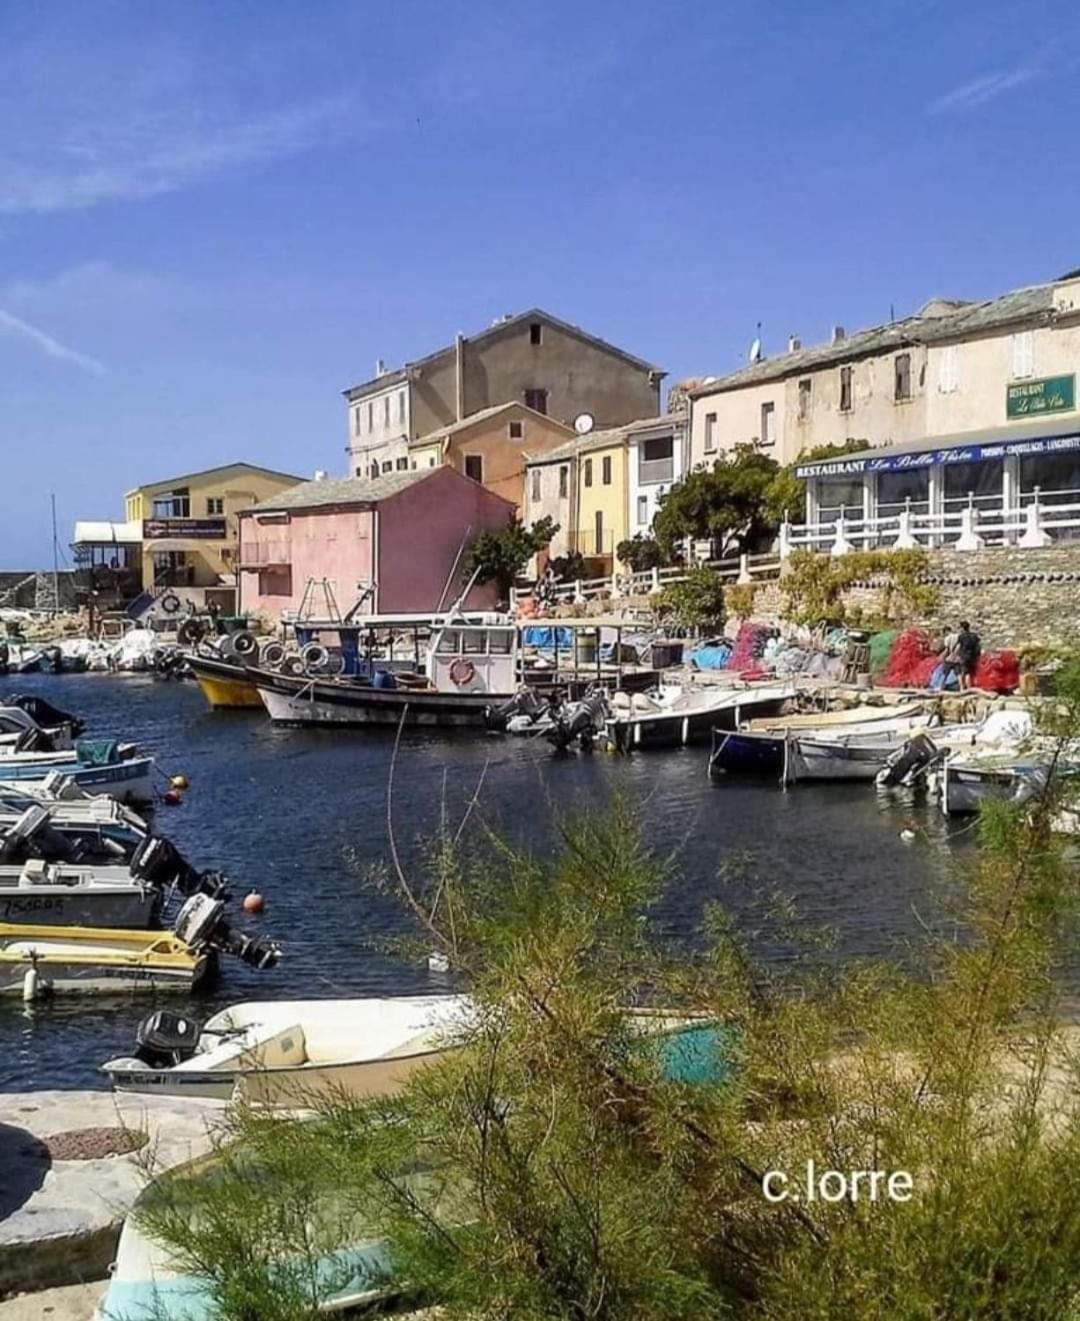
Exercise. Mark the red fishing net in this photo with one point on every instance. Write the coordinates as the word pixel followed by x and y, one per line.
pixel 749 647
pixel 998 672
pixel 911 661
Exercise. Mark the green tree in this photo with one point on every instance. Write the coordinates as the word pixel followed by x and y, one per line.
pixel 785 497
pixel 500 556
pixel 696 601
pixel 727 504
pixel 641 553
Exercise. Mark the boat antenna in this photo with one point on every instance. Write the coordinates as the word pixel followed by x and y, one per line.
pixel 453 568
pixel 55 560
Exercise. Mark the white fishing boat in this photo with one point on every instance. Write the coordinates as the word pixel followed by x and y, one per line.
pixel 289 1050
pixel 64 894
pixel 677 715
pixel 97 766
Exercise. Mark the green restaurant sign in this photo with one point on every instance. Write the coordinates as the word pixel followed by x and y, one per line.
pixel 1053 394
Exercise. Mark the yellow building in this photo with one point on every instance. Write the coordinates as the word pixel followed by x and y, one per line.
pixel 188 524
pixel 584 487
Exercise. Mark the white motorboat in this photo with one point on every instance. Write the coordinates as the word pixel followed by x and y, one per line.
pixel 63 894
pixel 98 766
pixel 678 715
pixel 289 1050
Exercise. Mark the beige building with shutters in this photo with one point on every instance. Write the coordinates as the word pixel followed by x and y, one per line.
pixel 952 369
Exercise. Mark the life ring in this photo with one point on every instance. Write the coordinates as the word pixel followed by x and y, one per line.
pixel 170 603
pixel 191 632
pixel 272 655
pixel 245 643
pixel 462 671
pixel 315 657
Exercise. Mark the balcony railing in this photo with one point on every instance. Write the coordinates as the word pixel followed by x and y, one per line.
pixel 656 470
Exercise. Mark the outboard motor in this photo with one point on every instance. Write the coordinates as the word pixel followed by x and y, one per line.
pixel 165 1038
pixel 579 721
pixel 202 921
pixel 158 862
pixel 525 702
pixel 32 836
pixel 33 740
pixel 909 762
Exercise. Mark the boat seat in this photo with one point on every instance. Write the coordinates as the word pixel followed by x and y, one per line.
pixel 36 871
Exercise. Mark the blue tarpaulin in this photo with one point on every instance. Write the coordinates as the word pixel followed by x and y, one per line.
pixel 713 656
pixel 543 637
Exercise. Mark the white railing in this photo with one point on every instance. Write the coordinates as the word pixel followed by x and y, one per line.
pixel 1037 523
pixel 614 586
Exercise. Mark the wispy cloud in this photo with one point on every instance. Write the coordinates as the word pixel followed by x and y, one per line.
pixel 46 344
pixel 979 91
pixel 143 151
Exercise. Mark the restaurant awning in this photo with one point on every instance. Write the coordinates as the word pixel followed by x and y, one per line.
pixel 104 533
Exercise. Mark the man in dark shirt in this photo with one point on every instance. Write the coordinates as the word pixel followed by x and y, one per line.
pixel 968 648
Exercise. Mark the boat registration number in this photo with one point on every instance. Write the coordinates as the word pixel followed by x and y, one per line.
pixel 13 907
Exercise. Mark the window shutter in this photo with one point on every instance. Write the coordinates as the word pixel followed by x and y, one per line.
pixel 1023 354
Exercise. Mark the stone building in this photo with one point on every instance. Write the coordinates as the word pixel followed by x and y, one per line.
pixel 954 369
pixel 550 366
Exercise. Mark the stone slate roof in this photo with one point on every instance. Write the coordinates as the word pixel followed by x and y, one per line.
pixel 598 440
pixel 482 415
pixel 497 328
pixel 341 491
pixel 220 467
pixel 940 320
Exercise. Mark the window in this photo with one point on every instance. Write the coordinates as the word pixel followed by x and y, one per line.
pixel 402 464
pixel 536 333
pixel 450 641
pixel 536 400
pixel 1023 354
pixel 500 642
pixel 845 389
pixel 474 467
pixel 473 642
pixel 605 470
pixel 710 433
pixel 642 510
pixel 902 377
pixel 215 504
pixel 949 369
pixel 413 465
pixel 356 422
pixel 768 424
pixel 359 472
pixel 374 470
pixel 386 410
pixel 431 461
pixel 401 407
pixel 806 388
pixel 588 472
pixel 370 416
pixel 599 532
pixel 656 460
pixel 516 430
pixel 536 483
pixel 388 466
pixel 564 482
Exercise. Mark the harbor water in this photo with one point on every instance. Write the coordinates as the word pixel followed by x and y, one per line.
pixel 300 816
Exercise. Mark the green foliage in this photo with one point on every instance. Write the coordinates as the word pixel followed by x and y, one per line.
pixel 786 493
pixel 641 554
pixel 568 568
pixel 728 502
pixel 548 1169
pixel 813 584
pixel 739 599
pixel 696 602
pixel 501 555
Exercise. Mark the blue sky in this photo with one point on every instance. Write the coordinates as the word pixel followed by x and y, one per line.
pixel 214 217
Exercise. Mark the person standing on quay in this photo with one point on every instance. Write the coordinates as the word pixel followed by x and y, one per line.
pixel 968 649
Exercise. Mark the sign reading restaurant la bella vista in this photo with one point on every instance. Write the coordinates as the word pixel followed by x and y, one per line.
pixel 1052 394
pixel 204 528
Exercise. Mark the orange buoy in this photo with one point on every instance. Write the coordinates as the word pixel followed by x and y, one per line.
pixel 253 902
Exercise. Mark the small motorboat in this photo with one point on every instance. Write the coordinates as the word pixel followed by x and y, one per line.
pixel 675 715
pixel 30 724
pixel 38 960
pixel 60 894
pixel 98 766
pixel 287 1050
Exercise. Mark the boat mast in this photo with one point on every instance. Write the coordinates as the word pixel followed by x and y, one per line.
pixel 55 559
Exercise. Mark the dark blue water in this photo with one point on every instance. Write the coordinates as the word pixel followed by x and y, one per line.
pixel 301 815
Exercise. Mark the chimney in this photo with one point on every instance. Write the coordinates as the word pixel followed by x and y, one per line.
pixel 794 344
pixel 838 334
pixel 459 373
pixel 380 367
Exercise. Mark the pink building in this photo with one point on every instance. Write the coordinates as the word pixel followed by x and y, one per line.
pixel 401 533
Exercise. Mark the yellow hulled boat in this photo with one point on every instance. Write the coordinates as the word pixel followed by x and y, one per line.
pixel 224 682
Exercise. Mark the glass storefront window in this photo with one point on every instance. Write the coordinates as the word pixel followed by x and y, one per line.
pixel 844 493
pixel 895 489
pixel 1056 475
pixel 981 480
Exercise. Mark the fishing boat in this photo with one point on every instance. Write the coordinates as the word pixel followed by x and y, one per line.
pixel 39 960
pixel 763 746
pixel 61 894
pixel 675 715
pixel 98 766
pixel 223 682
pixel 290 1048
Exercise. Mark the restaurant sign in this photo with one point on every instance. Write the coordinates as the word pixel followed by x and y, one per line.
pixel 201 529
pixel 886 462
pixel 1053 394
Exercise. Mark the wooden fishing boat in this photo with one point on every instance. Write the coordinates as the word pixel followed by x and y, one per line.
pixel 224 683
